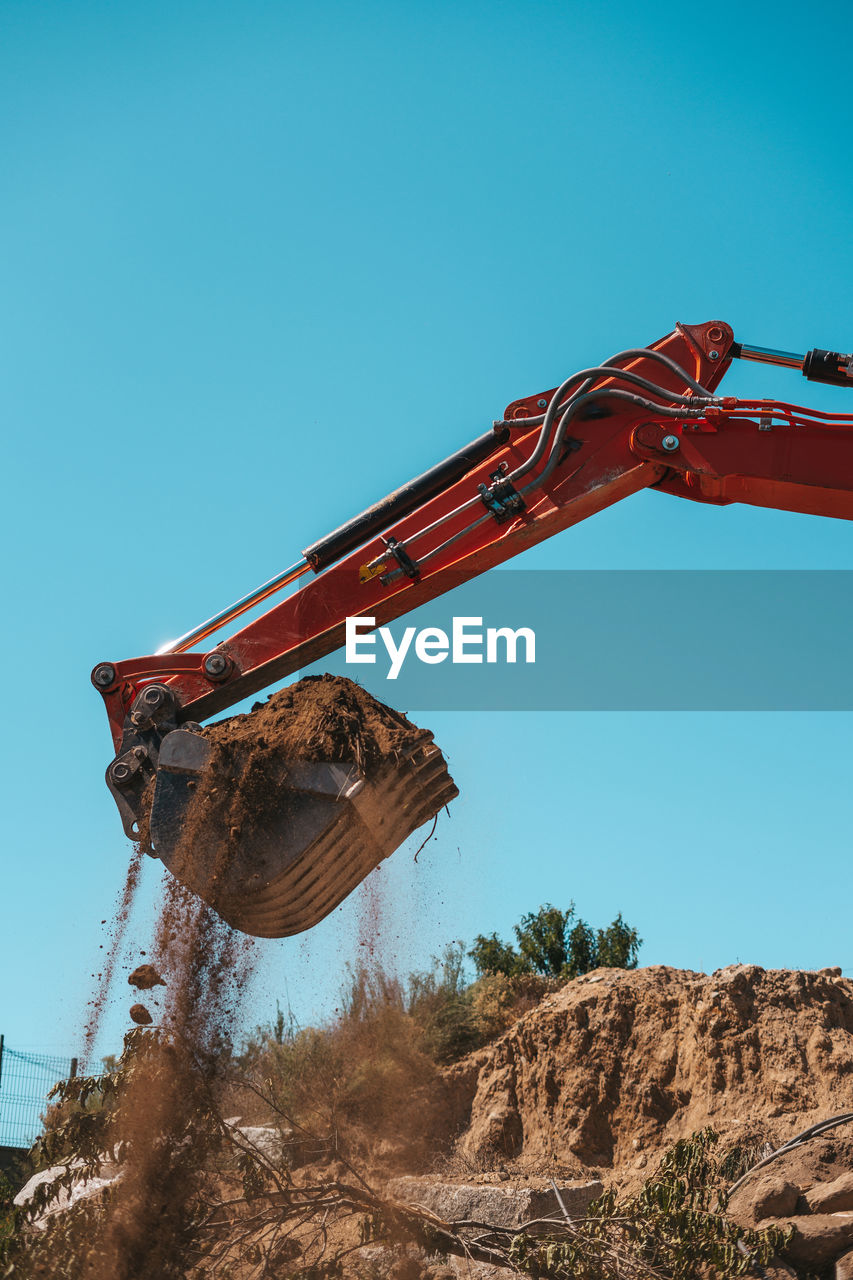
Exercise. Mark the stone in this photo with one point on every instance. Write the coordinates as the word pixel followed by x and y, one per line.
pixel 832 1197
pixel 264 1141
pixel 818 1238
pixel 83 1188
pixel 769 1195
pixel 844 1267
pixel 504 1205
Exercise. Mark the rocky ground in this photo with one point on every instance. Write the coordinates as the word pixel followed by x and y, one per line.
pixel 589 1089
pixel 607 1073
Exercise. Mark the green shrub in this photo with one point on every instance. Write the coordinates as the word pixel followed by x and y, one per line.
pixel 547 945
pixel 617 946
pixel 499 999
pixel 492 956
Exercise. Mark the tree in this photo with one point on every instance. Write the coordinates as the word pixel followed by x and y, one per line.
pixel 548 946
pixel 583 950
pixel 617 946
pixel 490 955
pixel 542 939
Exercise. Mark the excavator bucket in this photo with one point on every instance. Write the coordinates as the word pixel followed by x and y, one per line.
pixel 273 817
pixel 333 825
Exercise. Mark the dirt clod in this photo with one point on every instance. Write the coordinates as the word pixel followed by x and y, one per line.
pixel 144 977
pixel 140 1015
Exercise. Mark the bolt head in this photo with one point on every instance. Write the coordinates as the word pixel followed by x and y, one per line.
pixel 669 443
pixel 120 772
pixel 152 697
pixel 713 355
pixel 104 675
pixel 542 402
pixel 215 664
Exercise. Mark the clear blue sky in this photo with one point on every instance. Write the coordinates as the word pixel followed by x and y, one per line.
pixel 261 262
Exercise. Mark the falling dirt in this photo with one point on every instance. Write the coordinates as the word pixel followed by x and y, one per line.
pixel 144 977
pixel 371 917
pixel 165 1109
pixel 165 1114
pixel 118 929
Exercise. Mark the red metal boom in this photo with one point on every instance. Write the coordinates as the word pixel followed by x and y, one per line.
pixel 765 452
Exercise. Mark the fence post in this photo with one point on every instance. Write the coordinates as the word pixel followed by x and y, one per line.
pixel 73 1069
pixel 1 1059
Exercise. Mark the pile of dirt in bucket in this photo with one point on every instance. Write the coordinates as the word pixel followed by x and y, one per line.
pixel 321 717
pixel 616 1066
pixel 326 718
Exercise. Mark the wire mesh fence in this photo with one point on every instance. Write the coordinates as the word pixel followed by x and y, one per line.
pixel 25 1081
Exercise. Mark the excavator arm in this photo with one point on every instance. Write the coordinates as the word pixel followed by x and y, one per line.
pixel 647 418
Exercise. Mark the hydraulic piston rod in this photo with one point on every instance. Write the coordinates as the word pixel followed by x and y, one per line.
pixel 817 365
pixel 767 355
pixel 205 629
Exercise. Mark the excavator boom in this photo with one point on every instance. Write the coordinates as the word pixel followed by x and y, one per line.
pixel 647 418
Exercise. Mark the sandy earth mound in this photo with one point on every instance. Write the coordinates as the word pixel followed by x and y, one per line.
pixel 617 1065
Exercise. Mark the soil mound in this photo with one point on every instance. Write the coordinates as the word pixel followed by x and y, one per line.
pixel 617 1065
pixel 321 717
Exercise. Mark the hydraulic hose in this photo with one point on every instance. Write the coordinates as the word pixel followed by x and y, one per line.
pixel 632 353
pixel 587 377
pixel 590 377
pixel 610 393
pixel 814 1131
